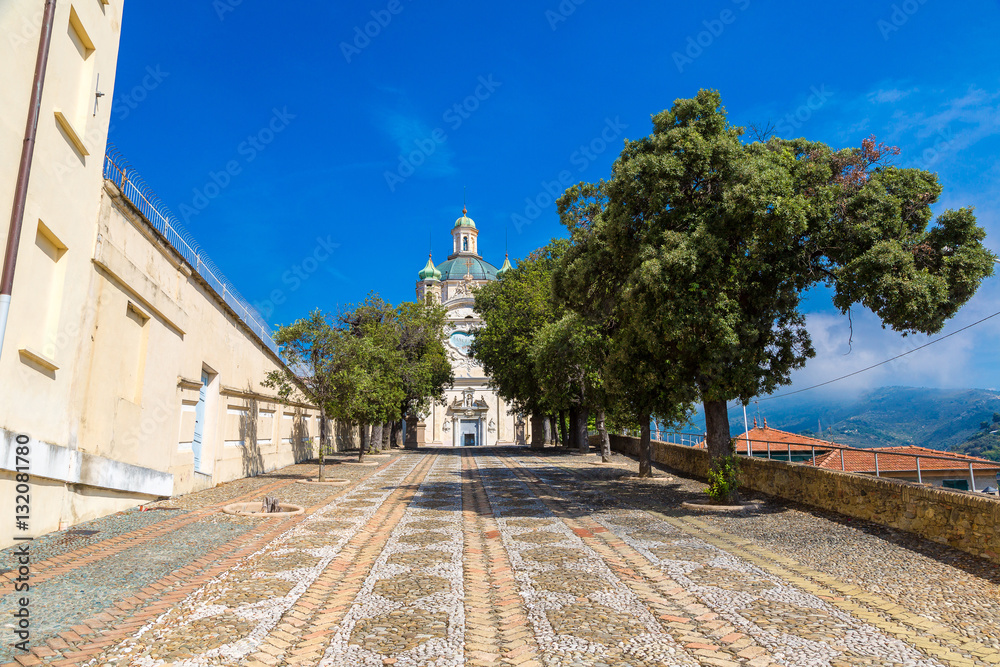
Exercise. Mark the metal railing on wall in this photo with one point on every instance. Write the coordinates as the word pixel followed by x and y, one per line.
pixel 140 195
pixel 805 453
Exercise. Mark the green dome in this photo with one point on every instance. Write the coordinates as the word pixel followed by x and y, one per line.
pixel 506 266
pixel 429 272
pixel 465 221
pixel 455 269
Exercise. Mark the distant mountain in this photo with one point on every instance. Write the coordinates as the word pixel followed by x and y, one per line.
pixel 985 443
pixel 891 416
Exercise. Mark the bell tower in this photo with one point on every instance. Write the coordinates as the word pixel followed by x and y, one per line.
pixel 464 235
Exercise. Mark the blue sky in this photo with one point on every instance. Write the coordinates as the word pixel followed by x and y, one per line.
pixel 315 162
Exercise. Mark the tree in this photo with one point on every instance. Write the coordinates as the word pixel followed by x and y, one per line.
pixel 309 349
pixel 370 379
pixel 569 356
pixel 426 370
pixel 514 309
pixel 708 243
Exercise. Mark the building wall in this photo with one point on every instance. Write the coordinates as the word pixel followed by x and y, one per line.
pixel 966 521
pixel 40 356
pixel 109 331
pixel 147 331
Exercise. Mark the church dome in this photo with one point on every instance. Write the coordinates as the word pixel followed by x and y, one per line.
pixel 455 269
pixel 429 272
pixel 465 221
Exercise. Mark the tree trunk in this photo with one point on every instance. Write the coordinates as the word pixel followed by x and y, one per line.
pixel 574 428
pixel 550 430
pixel 605 440
pixel 322 441
pixel 538 431
pixel 376 438
pixel 365 432
pixel 396 435
pixel 582 439
pixel 564 428
pixel 717 438
pixel 645 449
pixel 386 436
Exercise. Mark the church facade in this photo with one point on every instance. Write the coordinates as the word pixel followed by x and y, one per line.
pixel 473 413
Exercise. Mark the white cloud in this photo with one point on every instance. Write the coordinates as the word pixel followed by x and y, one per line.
pixel 891 95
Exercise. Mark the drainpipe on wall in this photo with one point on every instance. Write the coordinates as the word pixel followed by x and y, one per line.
pixel 24 168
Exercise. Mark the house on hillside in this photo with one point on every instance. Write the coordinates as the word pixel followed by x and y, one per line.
pixel 912 464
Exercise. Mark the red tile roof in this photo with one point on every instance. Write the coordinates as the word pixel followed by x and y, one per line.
pixel 778 440
pixel 890 459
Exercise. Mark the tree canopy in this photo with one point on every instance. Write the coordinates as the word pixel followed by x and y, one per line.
pixel 699 246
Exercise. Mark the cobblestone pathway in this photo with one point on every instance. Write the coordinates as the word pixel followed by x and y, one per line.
pixel 497 557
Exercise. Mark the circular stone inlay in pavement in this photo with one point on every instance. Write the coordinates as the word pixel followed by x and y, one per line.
pixel 730 580
pixel 419 558
pixel 574 582
pixel 428 524
pixel 423 539
pixel 253 509
pixel 805 622
pixel 410 587
pixel 202 635
pixel 290 561
pixel 399 631
pixel 595 622
pixel 540 537
pixel 553 555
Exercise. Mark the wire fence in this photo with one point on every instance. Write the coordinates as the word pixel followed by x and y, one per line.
pixel 136 191
pixel 843 457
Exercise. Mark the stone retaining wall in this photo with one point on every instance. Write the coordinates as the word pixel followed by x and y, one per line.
pixel 966 521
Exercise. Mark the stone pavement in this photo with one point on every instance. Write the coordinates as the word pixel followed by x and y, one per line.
pixel 497 557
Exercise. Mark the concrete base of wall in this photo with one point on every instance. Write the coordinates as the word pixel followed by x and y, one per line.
pixel 966 521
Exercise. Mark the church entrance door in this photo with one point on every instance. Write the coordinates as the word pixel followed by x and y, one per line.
pixel 469 434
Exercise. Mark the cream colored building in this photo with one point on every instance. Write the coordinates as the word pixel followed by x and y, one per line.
pixel 127 368
pixel 474 414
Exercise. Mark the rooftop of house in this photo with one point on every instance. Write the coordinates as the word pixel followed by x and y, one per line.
pixel 764 437
pixel 828 454
pixel 902 459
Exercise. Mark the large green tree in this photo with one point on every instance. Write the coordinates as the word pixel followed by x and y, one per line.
pixel 372 390
pixel 707 243
pixel 514 309
pixel 310 349
pixel 426 369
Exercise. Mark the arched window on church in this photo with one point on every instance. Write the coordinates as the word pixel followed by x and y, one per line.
pixel 465 243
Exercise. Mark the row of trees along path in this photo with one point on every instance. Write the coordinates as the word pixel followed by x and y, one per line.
pixel 371 364
pixel 683 275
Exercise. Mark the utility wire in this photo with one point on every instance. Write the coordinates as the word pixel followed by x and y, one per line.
pixel 881 363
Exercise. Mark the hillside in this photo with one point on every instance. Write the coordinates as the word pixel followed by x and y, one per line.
pixel 890 416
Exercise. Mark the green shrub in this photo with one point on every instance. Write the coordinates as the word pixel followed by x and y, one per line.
pixel 723 480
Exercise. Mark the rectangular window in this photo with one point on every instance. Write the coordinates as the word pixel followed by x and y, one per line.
pixel 49 283
pixel 265 429
pixel 236 417
pixel 132 352
pixel 959 484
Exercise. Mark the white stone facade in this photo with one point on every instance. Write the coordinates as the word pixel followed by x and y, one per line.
pixel 474 414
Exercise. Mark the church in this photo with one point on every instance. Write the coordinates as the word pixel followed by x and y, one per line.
pixel 473 413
